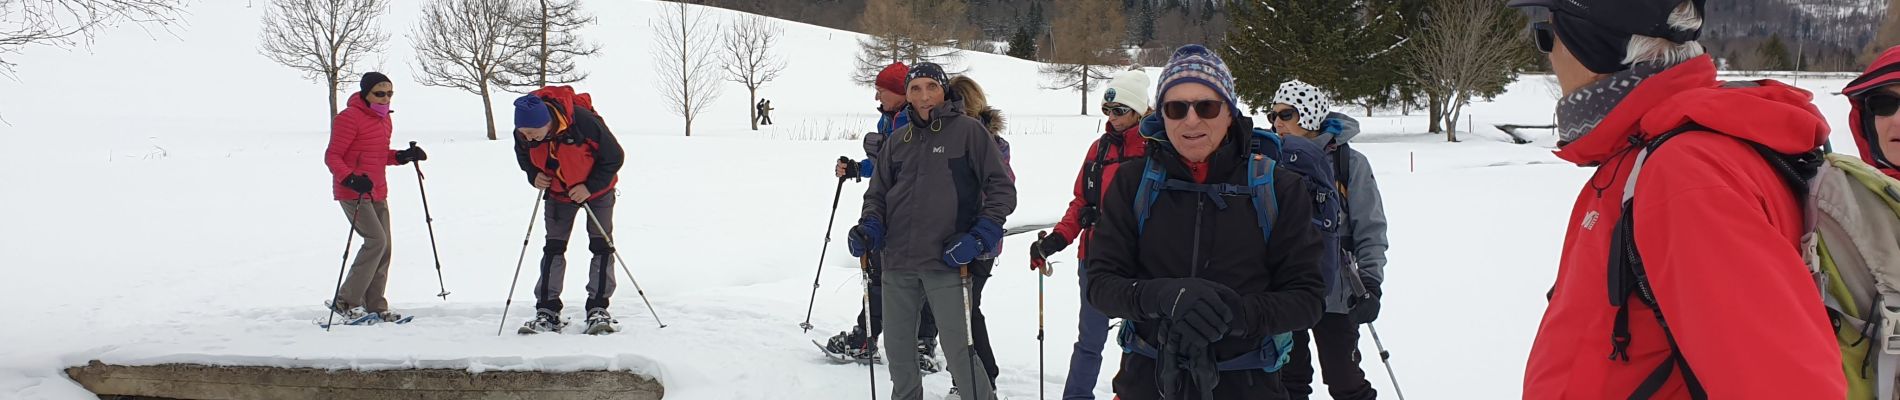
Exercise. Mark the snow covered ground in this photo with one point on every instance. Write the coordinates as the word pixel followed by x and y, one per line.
pixel 166 202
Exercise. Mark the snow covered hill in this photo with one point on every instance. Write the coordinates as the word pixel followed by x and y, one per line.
pixel 166 202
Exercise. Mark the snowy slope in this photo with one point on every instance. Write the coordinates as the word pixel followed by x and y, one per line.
pixel 167 204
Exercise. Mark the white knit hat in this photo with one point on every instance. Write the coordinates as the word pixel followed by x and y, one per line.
pixel 1129 88
pixel 1308 100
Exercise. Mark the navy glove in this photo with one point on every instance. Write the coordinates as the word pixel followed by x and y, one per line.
pixel 359 183
pixel 868 236
pixel 1196 309
pixel 964 248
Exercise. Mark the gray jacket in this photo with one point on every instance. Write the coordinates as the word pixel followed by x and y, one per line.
pixel 1366 210
pixel 933 181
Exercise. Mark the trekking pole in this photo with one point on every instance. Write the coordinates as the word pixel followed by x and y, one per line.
pixel 336 296
pixel 864 266
pixel 1041 389
pixel 831 222
pixel 430 220
pixel 1386 357
pixel 623 263
pixel 539 194
pixel 969 337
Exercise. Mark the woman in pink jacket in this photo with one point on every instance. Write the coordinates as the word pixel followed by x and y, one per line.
pixel 358 153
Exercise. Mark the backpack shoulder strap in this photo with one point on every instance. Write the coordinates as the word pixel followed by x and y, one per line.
pixel 1265 198
pixel 1260 167
pixel 1092 172
pixel 1147 192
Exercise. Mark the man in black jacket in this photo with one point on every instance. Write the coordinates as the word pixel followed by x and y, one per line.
pixel 1197 279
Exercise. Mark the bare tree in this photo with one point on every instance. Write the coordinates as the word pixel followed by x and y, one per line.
pixel 463 44
pixel 1086 46
pixel 748 57
pixel 1468 48
pixel 324 39
pixel 550 42
pixel 908 32
pixel 65 23
pixel 688 72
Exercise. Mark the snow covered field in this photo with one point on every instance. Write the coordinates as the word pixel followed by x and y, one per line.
pixel 166 202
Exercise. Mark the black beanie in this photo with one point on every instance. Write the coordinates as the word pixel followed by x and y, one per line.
pixel 1599 49
pixel 369 81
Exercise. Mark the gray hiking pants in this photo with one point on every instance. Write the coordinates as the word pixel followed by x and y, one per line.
pixel 562 214
pixel 369 275
pixel 905 293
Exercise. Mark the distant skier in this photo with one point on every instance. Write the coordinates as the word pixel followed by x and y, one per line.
pixel 566 149
pixel 357 155
pixel 765 111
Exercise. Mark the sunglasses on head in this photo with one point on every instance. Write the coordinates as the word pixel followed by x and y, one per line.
pixel 1541 33
pixel 1206 109
pixel 1286 115
pixel 1117 110
pixel 383 93
pixel 1882 103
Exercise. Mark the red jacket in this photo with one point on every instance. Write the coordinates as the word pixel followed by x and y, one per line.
pixel 1718 231
pixel 1125 145
pixel 359 144
pixel 1884 71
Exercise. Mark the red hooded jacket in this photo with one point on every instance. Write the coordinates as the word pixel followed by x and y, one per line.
pixel 1718 232
pixel 359 144
pixel 1125 145
pixel 1884 71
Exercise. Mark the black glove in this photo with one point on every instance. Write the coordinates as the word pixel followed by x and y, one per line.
pixel 412 153
pixel 1367 308
pixel 1196 309
pixel 1045 245
pixel 851 168
pixel 359 183
pixel 1052 244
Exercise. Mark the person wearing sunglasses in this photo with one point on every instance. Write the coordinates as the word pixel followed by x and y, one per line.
pixel 1198 274
pixel 1301 111
pixel 570 155
pixel 1708 239
pixel 1876 97
pixel 357 156
pixel 1125 103
pixel 936 203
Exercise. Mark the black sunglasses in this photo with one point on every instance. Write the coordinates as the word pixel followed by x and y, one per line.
pixel 1881 104
pixel 1117 111
pixel 1286 115
pixel 1541 33
pixel 1206 109
pixel 383 93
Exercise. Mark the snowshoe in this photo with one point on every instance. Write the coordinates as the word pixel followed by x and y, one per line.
pixel 544 321
pixel 927 356
pixel 851 346
pixel 599 322
pixel 350 316
pixel 393 317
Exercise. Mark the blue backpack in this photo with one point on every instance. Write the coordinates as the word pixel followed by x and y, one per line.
pixel 1269 153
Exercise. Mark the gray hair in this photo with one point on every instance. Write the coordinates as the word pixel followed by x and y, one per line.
pixel 1645 49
